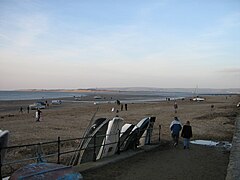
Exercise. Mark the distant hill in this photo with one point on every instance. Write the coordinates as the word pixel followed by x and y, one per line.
pixel 187 90
pixel 193 90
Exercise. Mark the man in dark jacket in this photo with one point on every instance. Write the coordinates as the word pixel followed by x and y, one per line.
pixel 186 134
pixel 175 127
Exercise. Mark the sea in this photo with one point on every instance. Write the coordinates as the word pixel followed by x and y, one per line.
pixel 136 95
pixel 29 95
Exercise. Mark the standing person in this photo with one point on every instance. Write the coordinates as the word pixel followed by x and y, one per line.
pixel 38 115
pixel 126 107
pixel 121 107
pixel 186 134
pixel 212 107
pixel 46 102
pixel 28 109
pixel 118 102
pixel 21 110
pixel 175 106
pixel 175 128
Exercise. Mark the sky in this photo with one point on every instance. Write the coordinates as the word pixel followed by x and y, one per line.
pixel 49 44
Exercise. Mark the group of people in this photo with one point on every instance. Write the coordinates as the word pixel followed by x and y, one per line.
pixel 125 105
pixel 21 109
pixel 37 115
pixel 186 133
pixel 120 104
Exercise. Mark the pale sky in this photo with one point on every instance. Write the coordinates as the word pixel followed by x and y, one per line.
pixel 119 43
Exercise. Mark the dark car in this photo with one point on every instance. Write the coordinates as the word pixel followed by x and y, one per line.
pixel 37 105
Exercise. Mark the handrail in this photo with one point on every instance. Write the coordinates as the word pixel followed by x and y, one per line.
pixel 58 152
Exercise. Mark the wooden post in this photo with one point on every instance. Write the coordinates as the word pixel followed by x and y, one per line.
pixel 94 148
pixel 59 145
pixel 159 133
pixel 118 144
pixel 0 162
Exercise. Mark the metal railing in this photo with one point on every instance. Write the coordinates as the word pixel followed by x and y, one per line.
pixel 58 150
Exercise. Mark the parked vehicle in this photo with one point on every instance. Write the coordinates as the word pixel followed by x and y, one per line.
pixel 56 102
pixel 37 105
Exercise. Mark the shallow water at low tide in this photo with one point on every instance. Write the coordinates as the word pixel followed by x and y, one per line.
pixel 223 144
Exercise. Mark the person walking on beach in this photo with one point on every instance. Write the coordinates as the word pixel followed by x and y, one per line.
pixel 121 107
pixel 212 107
pixel 126 107
pixel 175 128
pixel 21 110
pixel 38 115
pixel 118 102
pixel 186 134
pixel 175 106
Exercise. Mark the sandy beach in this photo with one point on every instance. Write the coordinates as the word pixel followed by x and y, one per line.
pixel 70 119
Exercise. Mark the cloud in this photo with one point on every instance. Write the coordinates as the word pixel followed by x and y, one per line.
pixel 223 26
pixel 21 25
pixel 145 49
pixel 230 70
pixel 30 29
pixel 232 20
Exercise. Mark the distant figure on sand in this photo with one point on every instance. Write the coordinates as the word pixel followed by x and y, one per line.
pixel 212 107
pixel 175 106
pixel 118 102
pixel 126 107
pixel 38 115
pixel 46 102
pixel 186 134
pixel 21 110
pixel 175 128
pixel 121 107
pixel 28 108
